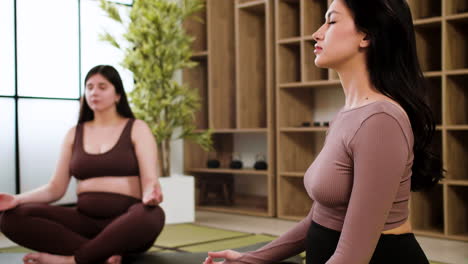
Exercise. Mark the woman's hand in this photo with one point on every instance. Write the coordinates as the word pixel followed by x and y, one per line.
pixel 153 196
pixel 225 254
pixel 7 201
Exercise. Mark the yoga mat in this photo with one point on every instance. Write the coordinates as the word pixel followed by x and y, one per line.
pixel 228 243
pixel 188 234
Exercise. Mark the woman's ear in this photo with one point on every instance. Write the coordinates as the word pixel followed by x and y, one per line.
pixel 365 42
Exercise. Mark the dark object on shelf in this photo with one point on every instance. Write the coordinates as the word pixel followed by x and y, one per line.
pixel 463 9
pixel 326 123
pixel 316 124
pixel 216 189
pixel 213 164
pixel 306 124
pixel 213 161
pixel 260 163
pixel 236 162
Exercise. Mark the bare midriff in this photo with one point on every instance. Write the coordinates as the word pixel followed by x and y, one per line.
pixel 403 229
pixel 126 185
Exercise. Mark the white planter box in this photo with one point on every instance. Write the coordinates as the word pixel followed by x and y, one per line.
pixel 179 198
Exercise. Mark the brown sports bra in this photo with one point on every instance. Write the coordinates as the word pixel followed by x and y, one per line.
pixel 120 160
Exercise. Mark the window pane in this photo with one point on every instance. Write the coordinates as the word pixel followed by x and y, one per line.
pixel 7 48
pixel 48 48
pixel 42 128
pixel 7 146
pixel 94 51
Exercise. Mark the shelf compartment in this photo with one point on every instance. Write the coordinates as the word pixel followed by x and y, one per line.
pixel 456 53
pixel 251 67
pixel 456 7
pixel 288 18
pixel 221 42
pixel 457 213
pixel 289 60
pixel 425 9
pixel 298 150
pixel 198 29
pixel 456 163
pixel 196 157
pixel 197 78
pixel 457 100
pixel 317 104
pixel 436 144
pixel 310 70
pixel 314 13
pixel 435 97
pixel 293 200
pixel 427 212
pixel 429 46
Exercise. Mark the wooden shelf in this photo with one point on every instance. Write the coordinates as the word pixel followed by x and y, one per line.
pixel 313 84
pixel 457 72
pixel 425 9
pixel 256 6
pixel 427 21
pixel 435 97
pixel 250 171
pixel 457 211
pixel 293 40
pixel 289 60
pixel 457 41
pixel 432 74
pixel 236 79
pixel 427 211
pixel 294 202
pixel 288 18
pixel 292 174
pixel 457 182
pixel 457 100
pixel 243 204
pixel 309 70
pixel 199 55
pixel 429 46
pixel 298 150
pixel 304 129
pixel 197 78
pixel 198 30
pixel 251 65
pixel 313 12
pixel 456 165
pixel 456 7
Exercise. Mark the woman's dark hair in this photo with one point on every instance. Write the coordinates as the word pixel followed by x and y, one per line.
pixel 394 69
pixel 111 74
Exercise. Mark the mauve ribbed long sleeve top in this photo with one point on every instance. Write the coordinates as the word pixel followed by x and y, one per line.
pixel 359 182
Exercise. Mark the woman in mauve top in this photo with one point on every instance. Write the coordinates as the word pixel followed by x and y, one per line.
pixel 376 150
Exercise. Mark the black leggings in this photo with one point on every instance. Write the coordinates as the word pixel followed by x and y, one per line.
pixel 102 225
pixel 391 249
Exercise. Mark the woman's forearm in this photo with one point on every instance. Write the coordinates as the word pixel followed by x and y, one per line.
pixel 43 194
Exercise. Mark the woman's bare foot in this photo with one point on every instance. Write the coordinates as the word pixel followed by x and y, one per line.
pixel 44 258
pixel 114 260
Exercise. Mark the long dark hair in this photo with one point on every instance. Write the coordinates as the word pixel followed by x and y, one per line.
pixel 111 74
pixel 394 69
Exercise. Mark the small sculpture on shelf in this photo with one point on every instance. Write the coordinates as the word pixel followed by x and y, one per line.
pixel 236 162
pixel 260 162
pixel 213 161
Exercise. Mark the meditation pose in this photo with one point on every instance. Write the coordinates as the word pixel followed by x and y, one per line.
pixel 376 149
pixel 114 158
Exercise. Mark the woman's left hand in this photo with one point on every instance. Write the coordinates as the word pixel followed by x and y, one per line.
pixel 153 196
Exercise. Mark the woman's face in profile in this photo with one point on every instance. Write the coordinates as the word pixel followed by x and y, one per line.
pixel 100 93
pixel 338 39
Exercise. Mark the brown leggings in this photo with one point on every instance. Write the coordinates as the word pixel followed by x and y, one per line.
pixel 102 225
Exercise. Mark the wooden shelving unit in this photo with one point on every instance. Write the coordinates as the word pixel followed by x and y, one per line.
pixel 256 75
pixel 235 81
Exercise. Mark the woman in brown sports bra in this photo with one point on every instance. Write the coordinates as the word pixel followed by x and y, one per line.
pixel 114 158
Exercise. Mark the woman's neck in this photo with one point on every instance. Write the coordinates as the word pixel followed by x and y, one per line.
pixel 106 118
pixel 357 86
